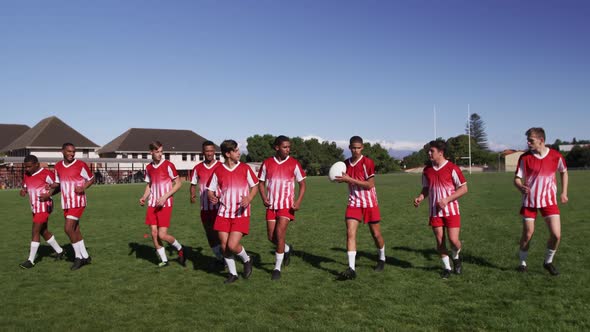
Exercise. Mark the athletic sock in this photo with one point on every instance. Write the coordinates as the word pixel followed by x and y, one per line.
pixel 456 253
pixel 351 259
pixel 446 262
pixel 33 251
pixel 523 255
pixel 278 260
pixel 217 252
pixel 287 248
pixel 162 253
pixel 177 245
pixel 382 254
pixel 549 255
pixel 231 265
pixel 244 255
pixel 83 251
pixel 53 243
pixel 77 253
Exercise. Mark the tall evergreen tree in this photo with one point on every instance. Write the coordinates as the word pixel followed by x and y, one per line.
pixel 478 130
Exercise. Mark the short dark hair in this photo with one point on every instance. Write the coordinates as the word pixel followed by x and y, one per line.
pixel 356 139
pixel 438 144
pixel 207 143
pixel 280 139
pixel 155 145
pixel 31 159
pixel 536 131
pixel 228 146
pixel 65 145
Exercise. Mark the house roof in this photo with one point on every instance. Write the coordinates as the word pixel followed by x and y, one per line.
pixel 50 133
pixel 10 132
pixel 138 140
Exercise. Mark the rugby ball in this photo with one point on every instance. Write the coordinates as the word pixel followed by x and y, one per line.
pixel 337 169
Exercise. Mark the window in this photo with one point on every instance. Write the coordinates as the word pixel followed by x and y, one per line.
pixel 134 156
pixel 144 156
pixel 193 157
pixel 167 156
pixel 184 157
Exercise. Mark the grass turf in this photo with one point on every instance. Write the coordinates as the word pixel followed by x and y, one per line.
pixel 123 290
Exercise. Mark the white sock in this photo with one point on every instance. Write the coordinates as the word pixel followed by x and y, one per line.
pixel 83 251
pixel 162 253
pixel 446 262
pixel 33 251
pixel 382 254
pixel 351 259
pixel 287 248
pixel 243 255
pixel 549 255
pixel 177 245
pixel 456 253
pixel 53 243
pixel 217 252
pixel 77 253
pixel 231 265
pixel 278 260
pixel 523 255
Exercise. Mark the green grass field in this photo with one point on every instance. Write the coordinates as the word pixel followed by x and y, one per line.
pixel 123 290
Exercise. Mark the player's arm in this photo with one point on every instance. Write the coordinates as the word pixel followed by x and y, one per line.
pixel 176 184
pixel 421 197
pixel 263 196
pixel 462 190
pixel 23 192
pixel 146 194
pixel 367 184
pixel 520 186
pixel 302 187
pixel 193 191
pixel 564 185
pixel 212 197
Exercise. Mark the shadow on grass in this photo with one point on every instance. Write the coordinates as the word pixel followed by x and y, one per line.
pixel 372 256
pixel 46 251
pixel 431 254
pixel 317 261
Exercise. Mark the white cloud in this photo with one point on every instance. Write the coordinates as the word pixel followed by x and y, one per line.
pixel 494 146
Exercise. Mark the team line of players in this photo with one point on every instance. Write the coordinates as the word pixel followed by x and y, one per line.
pixel 227 190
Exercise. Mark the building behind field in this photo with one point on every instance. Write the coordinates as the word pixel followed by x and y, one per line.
pixel 511 159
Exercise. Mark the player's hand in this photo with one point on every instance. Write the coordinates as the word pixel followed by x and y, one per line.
pixel 418 200
pixel 22 193
pixel 266 202
pixel 193 199
pixel 442 203
pixel 343 178
pixel 244 202
pixel 43 197
pixel 524 189
pixel 296 206
pixel 142 201
pixel 564 198
pixel 161 201
pixel 213 199
pixel 79 189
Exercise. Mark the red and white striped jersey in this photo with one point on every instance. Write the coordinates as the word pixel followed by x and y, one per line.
pixel 538 173
pixel 68 177
pixel 442 182
pixel 363 170
pixel 160 178
pixel 280 177
pixel 201 175
pixel 35 186
pixel 232 185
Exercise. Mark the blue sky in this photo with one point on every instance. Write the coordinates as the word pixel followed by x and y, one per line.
pixel 327 69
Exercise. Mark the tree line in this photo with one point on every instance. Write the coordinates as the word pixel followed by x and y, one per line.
pixel 316 157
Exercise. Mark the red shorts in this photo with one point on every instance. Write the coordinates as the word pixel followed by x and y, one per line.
pixel 208 216
pixel 158 216
pixel 531 213
pixel 449 222
pixel 74 213
pixel 272 215
pixel 228 225
pixel 40 217
pixel 366 215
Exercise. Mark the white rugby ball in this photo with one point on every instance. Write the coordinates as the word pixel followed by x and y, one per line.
pixel 337 169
